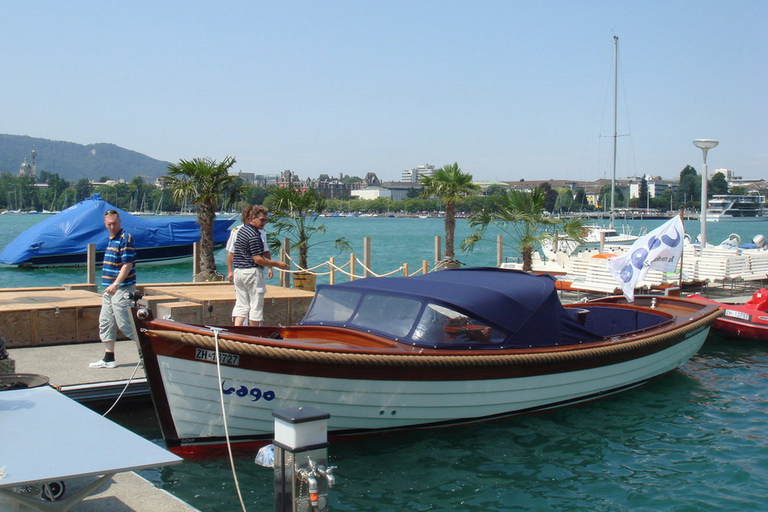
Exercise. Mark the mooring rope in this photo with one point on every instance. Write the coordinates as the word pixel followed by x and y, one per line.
pixel 216 331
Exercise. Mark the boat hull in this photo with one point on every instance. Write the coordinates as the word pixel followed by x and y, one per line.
pixel 364 396
pixel 748 321
pixel 144 256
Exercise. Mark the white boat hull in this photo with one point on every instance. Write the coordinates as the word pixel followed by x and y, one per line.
pixel 358 405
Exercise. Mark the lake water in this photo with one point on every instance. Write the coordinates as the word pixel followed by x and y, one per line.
pixel 394 242
pixel 693 440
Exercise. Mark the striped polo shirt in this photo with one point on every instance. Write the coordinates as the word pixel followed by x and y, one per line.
pixel 120 250
pixel 247 245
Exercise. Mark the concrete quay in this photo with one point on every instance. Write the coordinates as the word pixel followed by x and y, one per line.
pixel 125 492
pixel 67 368
pixel 54 332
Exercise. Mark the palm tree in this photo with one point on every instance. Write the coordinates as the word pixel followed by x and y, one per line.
pixel 522 215
pixel 204 183
pixel 294 214
pixel 448 184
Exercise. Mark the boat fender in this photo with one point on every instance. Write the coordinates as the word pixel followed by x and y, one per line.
pixel 760 242
pixel 732 242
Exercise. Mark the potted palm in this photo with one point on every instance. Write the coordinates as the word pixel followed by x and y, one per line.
pixel 449 184
pixel 294 215
pixel 205 183
pixel 522 215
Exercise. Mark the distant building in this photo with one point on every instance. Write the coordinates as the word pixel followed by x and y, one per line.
pixel 397 191
pixel 656 186
pixel 738 181
pixel 413 175
pixel 29 169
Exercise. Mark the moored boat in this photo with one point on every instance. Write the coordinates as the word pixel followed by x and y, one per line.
pixel 748 320
pixel 745 207
pixel 381 354
pixel 62 239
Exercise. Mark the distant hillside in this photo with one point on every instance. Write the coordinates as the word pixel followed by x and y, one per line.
pixel 75 161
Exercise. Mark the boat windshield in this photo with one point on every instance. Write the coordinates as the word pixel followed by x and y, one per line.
pixel 403 319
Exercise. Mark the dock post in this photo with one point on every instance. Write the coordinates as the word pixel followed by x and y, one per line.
pixel 91 271
pixel 352 267
pixel 437 249
pixel 195 258
pixel 332 275
pixel 285 277
pixel 405 270
pixel 367 255
pixel 302 474
pixel 499 250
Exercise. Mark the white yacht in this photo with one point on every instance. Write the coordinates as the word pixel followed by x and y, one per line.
pixel 748 207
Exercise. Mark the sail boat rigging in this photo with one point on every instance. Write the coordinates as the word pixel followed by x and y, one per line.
pixel 615 117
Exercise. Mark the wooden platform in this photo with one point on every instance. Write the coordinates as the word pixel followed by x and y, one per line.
pixel 44 316
pixel 50 316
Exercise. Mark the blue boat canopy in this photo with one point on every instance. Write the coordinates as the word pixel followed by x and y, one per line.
pixel 476 308
pixel 70 231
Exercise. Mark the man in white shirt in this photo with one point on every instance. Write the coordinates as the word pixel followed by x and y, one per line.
pixel 245 217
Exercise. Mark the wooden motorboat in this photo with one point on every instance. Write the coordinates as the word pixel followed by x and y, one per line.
pixel 382 354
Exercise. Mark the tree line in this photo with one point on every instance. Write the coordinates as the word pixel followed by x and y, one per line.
pixel 49 192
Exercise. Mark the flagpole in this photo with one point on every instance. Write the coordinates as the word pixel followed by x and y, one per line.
pixel 682 253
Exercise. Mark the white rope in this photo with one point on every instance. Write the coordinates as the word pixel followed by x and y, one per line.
pixel 124 387
pixel 224 417
pixel 335 268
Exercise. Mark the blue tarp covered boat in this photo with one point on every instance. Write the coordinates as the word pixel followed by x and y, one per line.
pixel 62 240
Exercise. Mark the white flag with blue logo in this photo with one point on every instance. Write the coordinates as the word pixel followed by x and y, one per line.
pixel 660 249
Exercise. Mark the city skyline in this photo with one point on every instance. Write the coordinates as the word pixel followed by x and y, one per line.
pixel 509 90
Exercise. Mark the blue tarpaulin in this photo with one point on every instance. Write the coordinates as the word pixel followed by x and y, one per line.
pixel 70 231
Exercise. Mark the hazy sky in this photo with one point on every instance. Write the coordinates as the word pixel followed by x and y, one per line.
pixel 508 89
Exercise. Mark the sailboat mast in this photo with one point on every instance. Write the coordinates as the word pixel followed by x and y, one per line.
pixel 615 109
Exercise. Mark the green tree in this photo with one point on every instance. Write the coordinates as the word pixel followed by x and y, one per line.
pixel 82 189
pixel 551 196
pixel 605 197
pixel 689 188
pixel 294 215
pixel 523 217
pixel 564 201
pixel 448 184
pixel 643 199
pixel 718 184
pixel 203 182
pixel 580 201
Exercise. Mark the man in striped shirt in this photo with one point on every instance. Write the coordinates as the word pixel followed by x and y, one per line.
pixel 118 276
pixel 249 259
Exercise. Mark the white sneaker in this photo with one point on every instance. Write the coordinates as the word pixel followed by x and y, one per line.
pixel 103 364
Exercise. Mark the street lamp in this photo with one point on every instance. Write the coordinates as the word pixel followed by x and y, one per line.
pixel 705 145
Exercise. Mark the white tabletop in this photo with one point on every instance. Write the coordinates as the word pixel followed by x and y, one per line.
pixel 46 436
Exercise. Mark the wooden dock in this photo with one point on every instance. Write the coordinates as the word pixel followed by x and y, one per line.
pixel 70 314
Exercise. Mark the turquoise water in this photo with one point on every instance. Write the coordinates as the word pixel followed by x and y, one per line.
pixel 693 440
pixel 394 242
